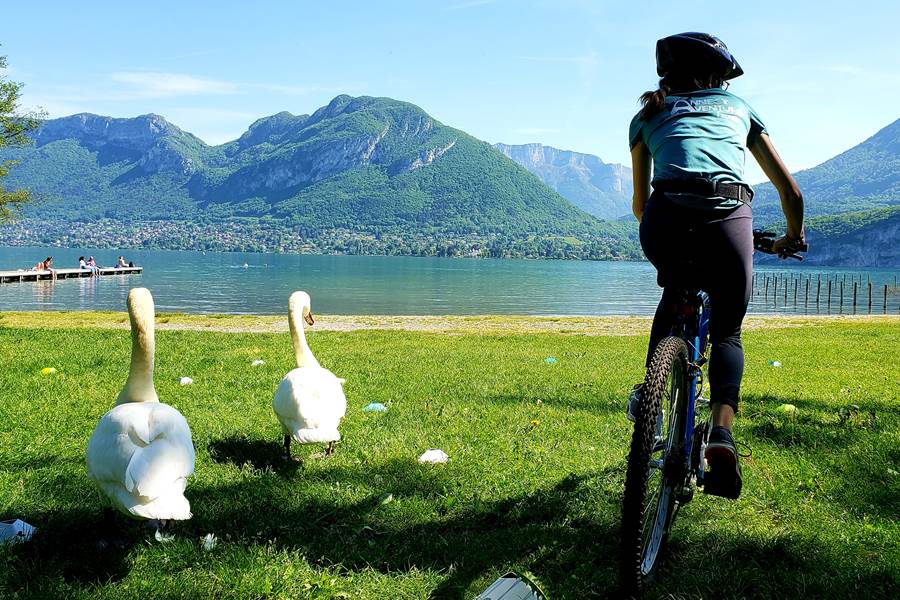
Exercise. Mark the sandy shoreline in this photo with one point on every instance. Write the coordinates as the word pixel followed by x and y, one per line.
pixel 446 324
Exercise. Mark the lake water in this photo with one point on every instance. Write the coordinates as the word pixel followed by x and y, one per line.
pixel 252 283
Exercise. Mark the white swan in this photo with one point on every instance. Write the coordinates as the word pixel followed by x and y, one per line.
pixel 140 454
pixel 309 401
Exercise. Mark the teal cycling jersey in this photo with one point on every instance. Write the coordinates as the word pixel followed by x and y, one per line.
pixel 699 134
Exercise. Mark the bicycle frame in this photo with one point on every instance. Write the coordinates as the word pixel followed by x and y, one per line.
pixel 693 327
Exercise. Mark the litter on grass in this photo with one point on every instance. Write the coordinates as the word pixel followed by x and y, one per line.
pixel 774 363
pixel 48 371
pixel 550 360
pixel 209 541
pixel 374 407
pixel 433 456
pixel 385 498
pixel 257 363
pixel 185 381
pixel 163 537
pixel 512 587
pixel 14 531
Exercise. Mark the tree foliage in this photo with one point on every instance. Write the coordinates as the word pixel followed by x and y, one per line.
pixel 14 129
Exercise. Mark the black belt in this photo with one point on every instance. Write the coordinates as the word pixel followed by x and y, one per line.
pixel 705 187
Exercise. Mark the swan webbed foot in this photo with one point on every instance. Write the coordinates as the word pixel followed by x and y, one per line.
pixel 329 450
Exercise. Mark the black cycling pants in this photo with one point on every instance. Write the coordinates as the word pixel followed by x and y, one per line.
pixel 711 250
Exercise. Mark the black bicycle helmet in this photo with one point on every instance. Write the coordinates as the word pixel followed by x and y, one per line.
pixel 693 52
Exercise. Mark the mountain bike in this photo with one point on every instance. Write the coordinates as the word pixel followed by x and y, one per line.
pixel 666 461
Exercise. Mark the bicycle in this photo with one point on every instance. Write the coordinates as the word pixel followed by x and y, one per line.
pixel 666 460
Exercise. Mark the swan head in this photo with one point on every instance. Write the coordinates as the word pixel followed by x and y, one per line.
pixel 301 304
pixel 141 310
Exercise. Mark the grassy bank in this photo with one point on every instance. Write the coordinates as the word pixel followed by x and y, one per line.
pixel 534 481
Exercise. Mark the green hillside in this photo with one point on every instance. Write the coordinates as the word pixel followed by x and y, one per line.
pixel 864 177
pixel 371 170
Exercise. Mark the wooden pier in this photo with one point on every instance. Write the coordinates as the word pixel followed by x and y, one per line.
pixel 17 276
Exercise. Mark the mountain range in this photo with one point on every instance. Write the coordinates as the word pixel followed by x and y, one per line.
pixel 358 175
pixel 852 204
pixel 864 177
pixel 377 175
pixel 601 189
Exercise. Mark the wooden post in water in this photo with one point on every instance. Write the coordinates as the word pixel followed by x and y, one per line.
pixel 829 296
pixel 796 283
pixel 818 289
pixel 841 304
pixel 775 291
pixel 806 300
pixel 854 296
pixel 885 299
pixel 870 297
pixel 767 287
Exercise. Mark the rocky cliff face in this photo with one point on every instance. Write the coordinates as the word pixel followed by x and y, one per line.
pixel 151 141
pixel 602 189
pixel 872 246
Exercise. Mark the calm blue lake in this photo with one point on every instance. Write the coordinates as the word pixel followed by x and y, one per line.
pixel 195 282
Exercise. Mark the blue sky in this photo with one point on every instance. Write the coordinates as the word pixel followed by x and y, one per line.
pixel 823 75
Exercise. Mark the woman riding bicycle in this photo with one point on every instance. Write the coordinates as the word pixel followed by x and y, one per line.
pixel 696 227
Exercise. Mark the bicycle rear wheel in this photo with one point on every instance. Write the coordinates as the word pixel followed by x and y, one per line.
pixel 655 464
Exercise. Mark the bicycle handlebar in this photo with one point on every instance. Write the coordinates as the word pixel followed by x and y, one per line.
pixel 764 241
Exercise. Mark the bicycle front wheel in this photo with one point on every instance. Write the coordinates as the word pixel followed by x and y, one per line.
pixel 655 464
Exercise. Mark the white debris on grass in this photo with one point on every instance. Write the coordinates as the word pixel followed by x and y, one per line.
pixel 374 407
pixel 433 456
pixel 774 363
pixel 209 541
pixel 185 381
pixel 163 537
pixel 257 363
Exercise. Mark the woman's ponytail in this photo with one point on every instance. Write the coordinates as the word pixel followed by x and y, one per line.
pixel 654 101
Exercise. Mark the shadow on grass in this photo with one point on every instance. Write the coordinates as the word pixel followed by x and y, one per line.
pixel 427 527
pixel 78 546
pixel 260 454
pixel 565 532
pixel 706 563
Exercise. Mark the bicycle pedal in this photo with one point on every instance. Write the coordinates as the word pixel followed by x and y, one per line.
pixel 685 494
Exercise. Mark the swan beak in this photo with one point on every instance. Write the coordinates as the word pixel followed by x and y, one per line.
pixel 309 319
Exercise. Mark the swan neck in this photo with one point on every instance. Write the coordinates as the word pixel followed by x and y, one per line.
pixel 139 385
pixel 302 352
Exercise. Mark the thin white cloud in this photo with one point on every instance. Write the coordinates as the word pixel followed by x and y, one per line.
pixel 469 4
pixel 845 69
pixel 303 90
pixel 588 59
pixel 154 84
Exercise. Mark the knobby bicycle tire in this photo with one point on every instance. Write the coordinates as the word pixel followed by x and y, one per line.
pixel 668 364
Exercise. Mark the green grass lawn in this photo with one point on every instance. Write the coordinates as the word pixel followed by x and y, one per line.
pixel 534 481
